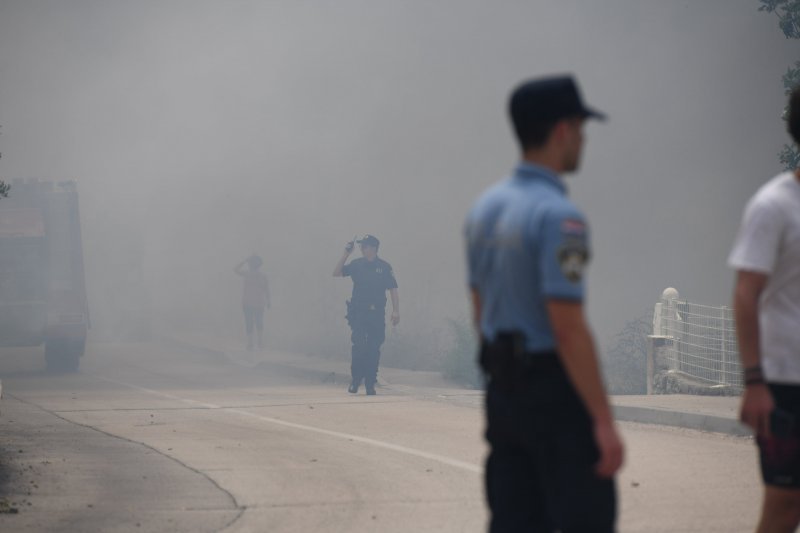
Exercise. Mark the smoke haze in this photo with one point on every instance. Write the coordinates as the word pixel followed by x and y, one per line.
pixel 202 131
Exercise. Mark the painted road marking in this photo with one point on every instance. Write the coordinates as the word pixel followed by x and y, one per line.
pixel 455 463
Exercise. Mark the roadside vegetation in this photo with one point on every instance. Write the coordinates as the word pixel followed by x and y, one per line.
pixel 625 358
pixel 788 14
pixel 461 360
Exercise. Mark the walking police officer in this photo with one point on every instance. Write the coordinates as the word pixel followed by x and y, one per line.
pixel 554 447
pixel 366 309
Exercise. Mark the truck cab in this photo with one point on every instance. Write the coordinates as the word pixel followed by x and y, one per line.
pixel 42 285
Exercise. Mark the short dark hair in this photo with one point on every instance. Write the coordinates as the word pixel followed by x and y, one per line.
pixel 793 118
pixel 532 134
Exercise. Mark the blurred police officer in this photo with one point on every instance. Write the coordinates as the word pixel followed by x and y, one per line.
pixel 366 309
pixel 554 445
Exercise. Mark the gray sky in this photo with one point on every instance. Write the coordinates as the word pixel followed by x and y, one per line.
pixel 201 131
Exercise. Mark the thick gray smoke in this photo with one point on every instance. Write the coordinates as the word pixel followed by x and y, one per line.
pixel 201 131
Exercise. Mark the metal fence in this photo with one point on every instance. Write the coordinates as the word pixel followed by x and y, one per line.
pixel 703 343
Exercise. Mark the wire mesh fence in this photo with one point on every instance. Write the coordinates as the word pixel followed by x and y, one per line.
pixel 703 343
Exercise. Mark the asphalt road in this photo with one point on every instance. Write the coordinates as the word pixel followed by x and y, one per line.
pixel 151 438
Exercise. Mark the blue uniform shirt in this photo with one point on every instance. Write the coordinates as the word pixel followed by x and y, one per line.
pixel 526 243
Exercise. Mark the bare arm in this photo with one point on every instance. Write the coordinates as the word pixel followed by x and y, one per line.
pixel 579 357
pixel 476 309
pixel 395 306
pixel 757 401
pixel 337 272
pixel 238 268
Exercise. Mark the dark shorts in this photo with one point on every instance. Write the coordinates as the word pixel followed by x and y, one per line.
pixel 540 471
pixel 780 454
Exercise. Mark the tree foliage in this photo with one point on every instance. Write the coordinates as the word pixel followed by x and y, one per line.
pixel 4 187
pixel 788 13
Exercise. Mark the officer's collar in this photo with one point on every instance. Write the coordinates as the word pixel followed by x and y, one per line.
pixel 527 170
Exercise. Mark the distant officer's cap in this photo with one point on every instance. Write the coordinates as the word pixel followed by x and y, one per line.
pixel 548 100
pixel 369 240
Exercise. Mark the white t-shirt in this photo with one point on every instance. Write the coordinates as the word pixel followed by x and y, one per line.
pixel 769 242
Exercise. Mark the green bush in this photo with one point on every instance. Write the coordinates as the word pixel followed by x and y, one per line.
pixel 412 348
pixel 461 361
pixel 625 359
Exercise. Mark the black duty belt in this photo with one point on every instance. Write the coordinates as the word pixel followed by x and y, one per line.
pixel 507 353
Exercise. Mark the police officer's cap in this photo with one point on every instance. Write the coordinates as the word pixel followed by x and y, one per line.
pixel 369 240
pixel 548 100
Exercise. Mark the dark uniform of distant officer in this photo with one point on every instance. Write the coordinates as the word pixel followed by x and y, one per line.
pixel 366 310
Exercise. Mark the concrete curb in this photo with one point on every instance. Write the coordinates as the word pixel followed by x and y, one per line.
pixel 172 342
pixel 625 413
pixel 333 371
pixel 702 422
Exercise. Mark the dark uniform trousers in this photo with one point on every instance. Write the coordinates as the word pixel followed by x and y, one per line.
pixel 368 326
pixel 540 470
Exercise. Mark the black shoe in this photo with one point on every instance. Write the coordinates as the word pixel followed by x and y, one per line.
pixel 353 388
pixel 370 390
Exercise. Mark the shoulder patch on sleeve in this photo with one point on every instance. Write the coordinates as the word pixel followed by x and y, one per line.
pixel 572 258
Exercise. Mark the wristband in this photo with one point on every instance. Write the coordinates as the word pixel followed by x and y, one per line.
pixel 753 376
pixel 753 372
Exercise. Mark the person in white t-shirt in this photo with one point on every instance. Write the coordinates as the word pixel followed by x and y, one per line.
pixel 766 257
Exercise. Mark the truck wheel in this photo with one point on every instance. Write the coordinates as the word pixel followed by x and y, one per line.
pixel 63 356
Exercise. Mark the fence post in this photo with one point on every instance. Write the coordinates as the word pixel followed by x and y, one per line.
pixel 649 365
pixel 724 348
pixel 675 325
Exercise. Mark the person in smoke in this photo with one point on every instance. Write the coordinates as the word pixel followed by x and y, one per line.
pixel 255 297
pixel 366 309
pixel 554 448
pixel 766 257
